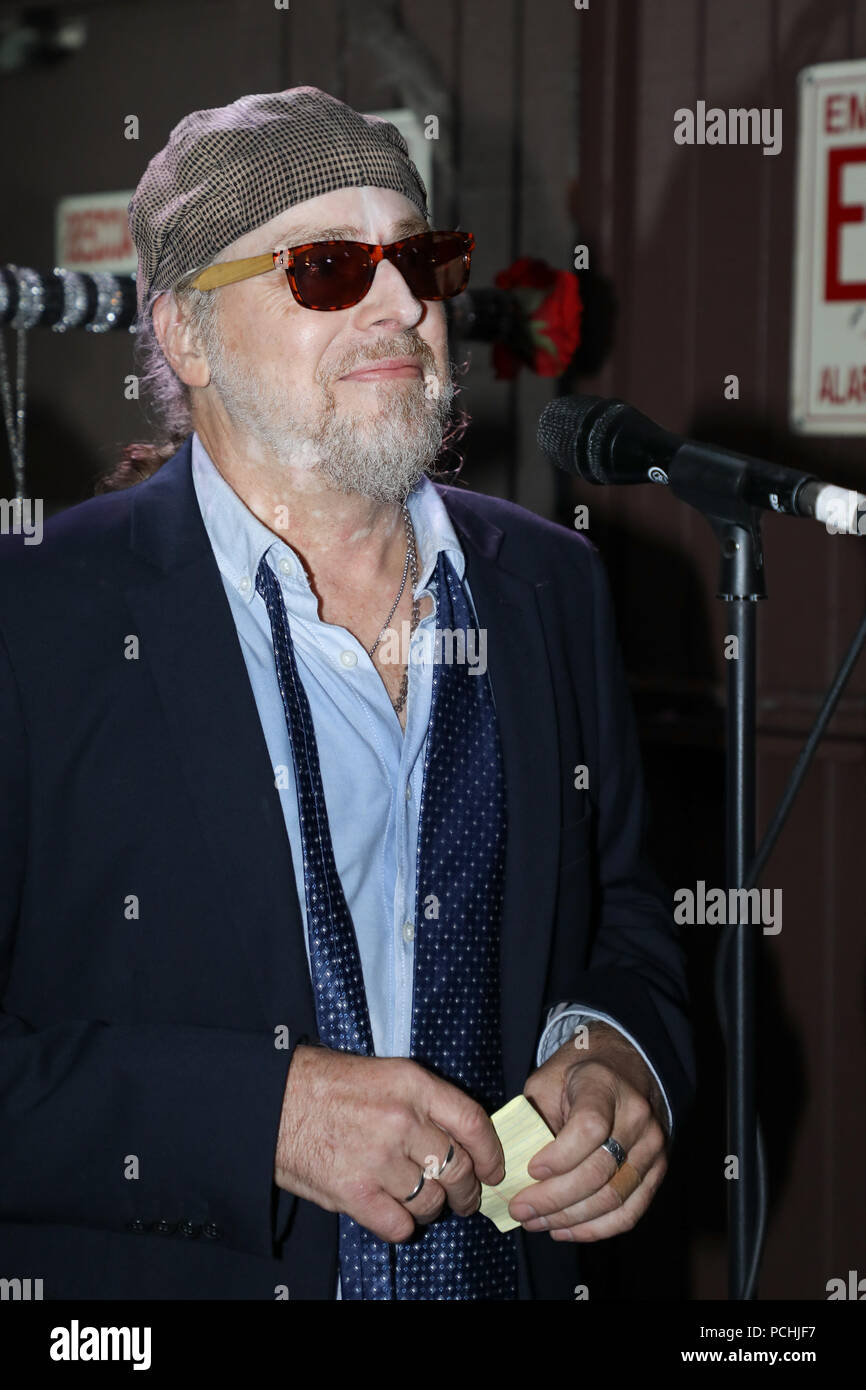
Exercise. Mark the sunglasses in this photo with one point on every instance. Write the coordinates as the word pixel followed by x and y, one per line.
pixel 331 275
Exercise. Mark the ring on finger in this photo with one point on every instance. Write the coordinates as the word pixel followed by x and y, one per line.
pixel 414 1193
pixel 433 1168
pixel 616 1151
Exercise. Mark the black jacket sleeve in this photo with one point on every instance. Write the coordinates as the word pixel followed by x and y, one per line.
pixel 86 1104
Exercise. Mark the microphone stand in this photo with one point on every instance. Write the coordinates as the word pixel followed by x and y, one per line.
pixel 741 584
pixel 717 484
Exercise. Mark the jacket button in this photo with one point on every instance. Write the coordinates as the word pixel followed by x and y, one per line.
pixel 211 1230
pixel 163 1227
pixel 189 1229
pixel 136 1224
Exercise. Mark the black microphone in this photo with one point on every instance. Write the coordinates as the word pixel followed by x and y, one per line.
pixel 607 441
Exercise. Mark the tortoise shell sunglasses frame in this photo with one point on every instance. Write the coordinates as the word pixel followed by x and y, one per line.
pixel 332 275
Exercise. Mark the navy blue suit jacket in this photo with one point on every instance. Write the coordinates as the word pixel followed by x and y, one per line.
pixel 142 976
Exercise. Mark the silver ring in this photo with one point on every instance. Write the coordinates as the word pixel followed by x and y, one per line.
pixel 433 1168
pixel 446 1160
pixel 421 1183
pixel 109 302
pixel 616 1151
pixel 74 299
pixel 31 297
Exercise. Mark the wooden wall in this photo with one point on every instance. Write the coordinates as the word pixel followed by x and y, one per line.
pixel 557 128
pixel 698 242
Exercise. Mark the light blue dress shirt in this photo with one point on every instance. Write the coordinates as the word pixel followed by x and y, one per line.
pixel 371 770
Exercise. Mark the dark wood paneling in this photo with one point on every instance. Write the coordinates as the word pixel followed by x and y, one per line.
pixel 547 138
pixel 699 242
pixel 63 133
pixel 489 199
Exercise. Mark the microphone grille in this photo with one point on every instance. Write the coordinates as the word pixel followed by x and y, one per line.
pixel 574 430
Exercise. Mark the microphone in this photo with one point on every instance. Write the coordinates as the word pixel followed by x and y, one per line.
pixel 609 442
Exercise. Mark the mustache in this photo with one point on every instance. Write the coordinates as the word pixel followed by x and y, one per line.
pixel 401 345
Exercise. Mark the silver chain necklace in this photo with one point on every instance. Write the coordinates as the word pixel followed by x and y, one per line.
pixel 411 566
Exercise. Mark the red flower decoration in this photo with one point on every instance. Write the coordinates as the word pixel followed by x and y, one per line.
pixel 550 306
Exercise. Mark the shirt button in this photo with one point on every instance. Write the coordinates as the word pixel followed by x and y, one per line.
pixel 286 566
pixel 348 659
pixel 408 931
pixel 163 1227
pixel 245 584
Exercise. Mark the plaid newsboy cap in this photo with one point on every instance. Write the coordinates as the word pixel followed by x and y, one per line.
pixel 229 169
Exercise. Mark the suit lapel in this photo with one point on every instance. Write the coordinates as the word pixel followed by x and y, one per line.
pixel 190 644
pixel 511 608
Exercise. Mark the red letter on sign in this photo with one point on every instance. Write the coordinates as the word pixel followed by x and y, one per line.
pixel 838 213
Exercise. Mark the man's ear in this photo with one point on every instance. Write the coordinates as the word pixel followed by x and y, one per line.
pixel 178 342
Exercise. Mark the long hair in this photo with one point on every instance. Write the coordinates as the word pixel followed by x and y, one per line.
pixel 167 399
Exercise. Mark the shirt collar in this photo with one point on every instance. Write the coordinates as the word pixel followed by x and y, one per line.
pixel 239 539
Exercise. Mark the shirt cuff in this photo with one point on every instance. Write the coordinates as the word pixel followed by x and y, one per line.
pixel 562 1022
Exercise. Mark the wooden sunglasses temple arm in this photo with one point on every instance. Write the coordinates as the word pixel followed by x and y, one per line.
pixel 228 272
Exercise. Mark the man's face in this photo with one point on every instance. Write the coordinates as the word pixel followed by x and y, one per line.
pixel 294 379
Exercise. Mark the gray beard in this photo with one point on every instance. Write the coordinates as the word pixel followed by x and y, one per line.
pixel 382 454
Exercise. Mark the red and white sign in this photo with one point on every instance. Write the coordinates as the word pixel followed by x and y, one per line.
pixel 828 345
pixel 92 233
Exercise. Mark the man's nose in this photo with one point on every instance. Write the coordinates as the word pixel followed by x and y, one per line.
pixel 389 299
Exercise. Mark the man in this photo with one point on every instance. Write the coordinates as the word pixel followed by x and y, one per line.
pixel 297 896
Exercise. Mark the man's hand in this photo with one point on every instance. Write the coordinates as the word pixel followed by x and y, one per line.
pixel 357 1132
pixel 586 1096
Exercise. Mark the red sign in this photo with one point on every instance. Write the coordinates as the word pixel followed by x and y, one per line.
pixel 828 349
pixel 93 233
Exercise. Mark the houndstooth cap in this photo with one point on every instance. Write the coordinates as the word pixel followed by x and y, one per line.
pixel 231 168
